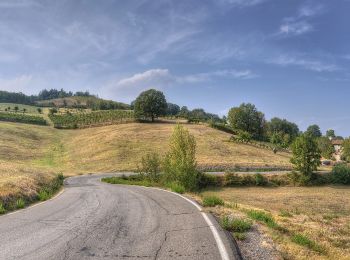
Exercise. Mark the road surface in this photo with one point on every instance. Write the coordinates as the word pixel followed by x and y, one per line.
pixel 95 220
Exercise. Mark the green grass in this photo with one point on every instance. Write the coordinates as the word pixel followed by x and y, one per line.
pixel 264 217
pixel 176 187
pixel 20 203
pixel 212 201
pixel 44 194
pixel 285 213
pixel 303 240
pixel 127 181
pixel 2 209
pixel 239 236
pixel 29 109
pixel 235 224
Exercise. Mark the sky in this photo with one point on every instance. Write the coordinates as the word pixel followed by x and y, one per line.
pixel 290 58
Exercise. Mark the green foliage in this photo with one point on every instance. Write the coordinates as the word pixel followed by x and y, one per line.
pixel 264 217
pixel 151 167
pixel 129 180
pixel 303 240
pixel 176 187
pixel 221 127
pixel 346 150
pixel 341 174
pixel 172 109
pixel 180 162
pixel 20 203
pixel 306 155
pixel 248 119
pixel 2 209
pixel 235 224
pixel 80 120
pixel 150 104
pixel 239 236
pixel 22 118
pixel 243 137
pixel 314 131
pixel 330 133
pixel 44 194
pixel 326 147
pixel 212 201
pixel 282 132
pixel 260 180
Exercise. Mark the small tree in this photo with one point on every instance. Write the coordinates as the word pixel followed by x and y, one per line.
pixel 150 167
pixel 16 108
pixel 150 104
pixel 330 133
pixel 326 147
pixel 306 155
pixel 346 150
pixel 180 162
pixel 39 110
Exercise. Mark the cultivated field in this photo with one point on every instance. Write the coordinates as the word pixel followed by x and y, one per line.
pixel 29 109
pixel 320 213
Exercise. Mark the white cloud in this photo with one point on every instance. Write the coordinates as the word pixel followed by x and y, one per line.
pixel 20 83
pixel 128 87
pixel 300 23
pixel 313 65
pixel 243 3
pixel 295 28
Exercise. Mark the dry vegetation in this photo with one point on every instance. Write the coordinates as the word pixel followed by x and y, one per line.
pixel 320 213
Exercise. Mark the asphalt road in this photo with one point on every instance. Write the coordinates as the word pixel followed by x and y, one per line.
pixel 94 220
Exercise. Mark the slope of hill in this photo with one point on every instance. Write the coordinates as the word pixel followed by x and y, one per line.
pixel 30 155
pixel 83 102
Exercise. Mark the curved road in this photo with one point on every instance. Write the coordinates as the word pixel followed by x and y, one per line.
pixel 95 220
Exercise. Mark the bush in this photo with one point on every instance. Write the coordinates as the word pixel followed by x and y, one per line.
pixel 208 180
pixel 235 225
pixel 260 180
pixel 150 167
pixel 44 194
pixel 180 162
pixel 341 174
pixel 232 179
pixel 212 201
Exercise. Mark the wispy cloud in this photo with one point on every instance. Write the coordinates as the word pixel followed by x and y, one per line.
pixel 300 23
pixel 208 76
pixel 242 3
pixel 308 64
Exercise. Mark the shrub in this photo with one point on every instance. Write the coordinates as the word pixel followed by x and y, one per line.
pixel 20 203
pixel 44 194
pixel 208 180
pixel 150 167
pixel 212 201
pixel 239 236
pixel 180 162
pixel 232 179
pixel 235 225
pixel 341 174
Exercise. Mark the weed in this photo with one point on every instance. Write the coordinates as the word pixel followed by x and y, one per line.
pixel 20 203
pixel 239 236
pixel 44 194
pixel 303 240
pixel 235 225
pixel 263 217
pixel 212 201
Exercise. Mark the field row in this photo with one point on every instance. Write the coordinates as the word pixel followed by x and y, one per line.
pixel 80 120
pixel 22 118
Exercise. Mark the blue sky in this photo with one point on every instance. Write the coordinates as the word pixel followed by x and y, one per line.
pixel 290 58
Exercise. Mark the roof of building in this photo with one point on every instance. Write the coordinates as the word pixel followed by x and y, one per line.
pixel 337 142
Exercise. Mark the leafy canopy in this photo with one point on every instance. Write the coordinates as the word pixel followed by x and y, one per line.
pixel 150 104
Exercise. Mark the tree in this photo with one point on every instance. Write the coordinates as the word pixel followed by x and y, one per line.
pixel 314 131
pixel 326 147
pixel 330 133
pixel 16 108
pixel 346 150
pixel 247 118
pixel 172 109
pixel 306 155
pixel 180 162
pixel 150 104
pixel 281 131
pixel 184 112
pixel 39 110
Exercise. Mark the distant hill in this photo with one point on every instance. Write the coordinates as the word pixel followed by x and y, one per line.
pixel 92 102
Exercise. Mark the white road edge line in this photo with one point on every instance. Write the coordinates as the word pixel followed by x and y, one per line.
pixel 220 244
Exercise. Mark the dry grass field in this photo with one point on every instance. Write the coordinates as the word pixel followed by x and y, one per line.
pixel 30 154
pixel 321 213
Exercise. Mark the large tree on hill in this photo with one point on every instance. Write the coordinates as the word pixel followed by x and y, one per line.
pixel 281 131
pixel 150 104
pixel 314 131
pixel 172 109
pixel 247 118
pixel 330 133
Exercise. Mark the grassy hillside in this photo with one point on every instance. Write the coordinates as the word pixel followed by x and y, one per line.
pixel 29 109
pixel 79 101
pixel 30 155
